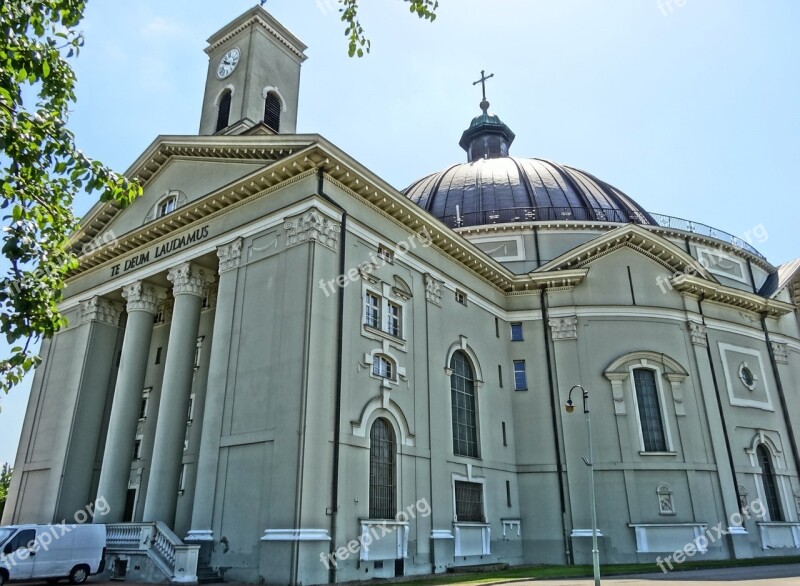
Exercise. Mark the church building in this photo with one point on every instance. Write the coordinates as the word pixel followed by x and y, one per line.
pixel 279 368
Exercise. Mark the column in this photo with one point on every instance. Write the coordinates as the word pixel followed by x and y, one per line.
pixel 143 301
pixel 208 459
pixel 189 284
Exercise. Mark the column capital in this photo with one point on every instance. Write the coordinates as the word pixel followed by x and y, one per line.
pixel 230 255
pixel 143 297
pixel 189 279
pixel 101 310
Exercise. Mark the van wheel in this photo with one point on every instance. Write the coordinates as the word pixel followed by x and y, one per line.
pixel 2 578
pixel 79 575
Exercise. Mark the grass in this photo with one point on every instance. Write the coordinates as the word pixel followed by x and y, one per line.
pixel 551 572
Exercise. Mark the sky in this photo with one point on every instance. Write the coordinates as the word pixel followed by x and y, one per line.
pixel 688 106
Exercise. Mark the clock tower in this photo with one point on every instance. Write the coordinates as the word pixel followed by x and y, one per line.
pixel 253 77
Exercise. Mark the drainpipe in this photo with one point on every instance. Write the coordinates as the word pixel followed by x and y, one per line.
pixel 554 404
pixel 337 425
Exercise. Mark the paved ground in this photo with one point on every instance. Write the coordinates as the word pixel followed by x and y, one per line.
pixel 785 575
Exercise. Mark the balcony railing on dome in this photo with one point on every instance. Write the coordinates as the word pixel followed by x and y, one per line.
pixel 584 214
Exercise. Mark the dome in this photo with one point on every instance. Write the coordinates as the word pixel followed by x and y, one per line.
pixel 511 189
pixel 493 187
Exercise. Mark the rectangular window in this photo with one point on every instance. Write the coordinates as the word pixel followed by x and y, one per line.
pixel 469 502
pixel 386 253
pixel 516 332
pixel 182 479
pixel 167 206
pixel 508 493
pixel 137 448
pixel 393 319
pixel 505 442
pixel 497 327
pixel 158 355
pixel 190 415
pixel 520 376
pixel 197 352
pixel 500 375
pixel 647 400
pixel 461 297
pixel 372 310
pixel 145 405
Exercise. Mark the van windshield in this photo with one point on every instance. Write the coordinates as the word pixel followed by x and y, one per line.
pixel 5 533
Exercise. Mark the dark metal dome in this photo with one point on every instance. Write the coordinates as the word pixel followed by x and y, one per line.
pixel 511 189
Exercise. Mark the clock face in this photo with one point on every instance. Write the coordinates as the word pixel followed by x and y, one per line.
pixel 228 63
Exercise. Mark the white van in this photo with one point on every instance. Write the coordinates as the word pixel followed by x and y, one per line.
pixel 51 552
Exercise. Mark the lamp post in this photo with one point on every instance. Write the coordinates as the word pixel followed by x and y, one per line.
pixel 570 407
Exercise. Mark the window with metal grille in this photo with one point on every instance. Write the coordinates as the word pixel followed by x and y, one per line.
pixel 381 471
pixel 372 310
pixel 650 418
pixel 272 111
pixel 462 396
pixel 770 485
pixel 469 502
pixel 383 367
pixel 224 111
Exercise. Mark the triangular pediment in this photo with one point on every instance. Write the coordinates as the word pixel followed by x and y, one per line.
pixel 163 167
pixel 633 237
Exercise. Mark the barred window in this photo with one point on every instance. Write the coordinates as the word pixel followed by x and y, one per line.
pixel 272 111
pixel 224 111
pixel 650 417
pixel 382 471
pixel 462 395
pixel 771 493
pixel 469 502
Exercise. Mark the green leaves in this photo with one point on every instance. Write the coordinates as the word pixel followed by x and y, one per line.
pixel 5 483
pixel 358 43
pixel 42 172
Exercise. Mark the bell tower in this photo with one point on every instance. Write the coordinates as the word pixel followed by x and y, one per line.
pixel 253 78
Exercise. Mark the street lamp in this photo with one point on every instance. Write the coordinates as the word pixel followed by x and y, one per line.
pixel 570 407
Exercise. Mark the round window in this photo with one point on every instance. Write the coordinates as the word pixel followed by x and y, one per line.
pixel 747 377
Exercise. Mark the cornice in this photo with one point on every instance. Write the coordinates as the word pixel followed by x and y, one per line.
pixel 732 297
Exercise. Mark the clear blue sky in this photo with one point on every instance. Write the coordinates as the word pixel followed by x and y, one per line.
pixel 692 110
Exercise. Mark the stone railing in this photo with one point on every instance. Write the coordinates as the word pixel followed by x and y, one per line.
pixel 176 560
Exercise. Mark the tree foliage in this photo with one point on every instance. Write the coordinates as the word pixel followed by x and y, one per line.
pixel 359 44
pixel 41 171
pixel 5 482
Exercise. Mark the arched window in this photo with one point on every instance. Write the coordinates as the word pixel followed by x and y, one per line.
pixel 771 493
pixel 382 367
pixel 272 111
pixel 649 404
pixel 224 110
pixel 167 206
pixel 381 471
pixel 462 396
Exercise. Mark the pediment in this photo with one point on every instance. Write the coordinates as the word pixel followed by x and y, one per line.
pixel 170 162
pixel 632 237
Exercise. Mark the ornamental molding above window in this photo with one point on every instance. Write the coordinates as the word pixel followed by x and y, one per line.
pixel 312 226
pixel 433 290
pixel 473 357
pixel 383 406
pixel 698 333
pixel 781 352
pixel 564 328
pixel 619 371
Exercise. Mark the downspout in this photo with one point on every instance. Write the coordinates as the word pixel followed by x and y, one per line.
pixel 554 404
pixel 337 426
pixel 536 242
pixel 725 435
